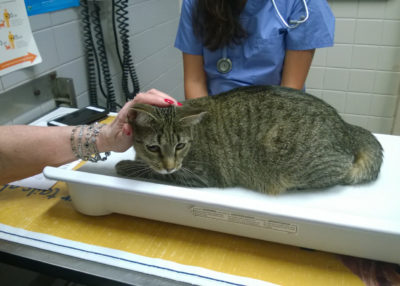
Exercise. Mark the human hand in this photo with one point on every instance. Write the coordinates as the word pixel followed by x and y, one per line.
pixel 117 136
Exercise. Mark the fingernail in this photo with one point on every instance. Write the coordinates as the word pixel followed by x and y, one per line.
pixel 126 131
pixel 179 104
pixel 168 101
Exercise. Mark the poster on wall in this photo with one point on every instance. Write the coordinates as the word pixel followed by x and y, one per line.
pixel 17 46
pixel 43 6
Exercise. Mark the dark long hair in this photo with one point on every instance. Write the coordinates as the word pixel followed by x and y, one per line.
pixel 216 22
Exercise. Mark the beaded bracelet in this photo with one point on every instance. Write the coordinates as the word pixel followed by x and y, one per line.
pixel 87 150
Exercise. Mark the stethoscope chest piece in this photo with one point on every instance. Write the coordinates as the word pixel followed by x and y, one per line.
pixel 224 65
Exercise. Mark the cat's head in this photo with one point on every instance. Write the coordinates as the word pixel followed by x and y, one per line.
pixel 162 136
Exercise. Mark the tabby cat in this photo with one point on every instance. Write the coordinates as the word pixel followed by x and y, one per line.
pixel 266 138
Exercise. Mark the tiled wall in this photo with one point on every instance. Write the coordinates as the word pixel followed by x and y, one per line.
pixel 153 26
pixel 360 75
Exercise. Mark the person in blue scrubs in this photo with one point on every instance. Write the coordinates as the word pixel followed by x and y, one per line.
pixel 259 37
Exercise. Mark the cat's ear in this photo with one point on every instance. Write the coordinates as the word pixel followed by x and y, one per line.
pixel 143 114
pixel 192 117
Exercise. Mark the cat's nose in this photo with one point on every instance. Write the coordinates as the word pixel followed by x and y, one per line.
pixel 169 165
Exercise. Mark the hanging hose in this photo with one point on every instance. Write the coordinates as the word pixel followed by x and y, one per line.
pixel 90 53
pixel 126 61
pixel 98 33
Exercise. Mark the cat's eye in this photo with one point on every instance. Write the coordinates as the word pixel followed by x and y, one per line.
pixel 153 148
pixel 180 146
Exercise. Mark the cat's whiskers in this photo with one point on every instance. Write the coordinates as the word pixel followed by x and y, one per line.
pixel 190 172
pixel 139 170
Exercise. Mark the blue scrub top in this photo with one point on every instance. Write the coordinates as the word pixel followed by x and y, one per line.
pixel 258 60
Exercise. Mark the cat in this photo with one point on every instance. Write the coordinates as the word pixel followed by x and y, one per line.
pixel 265 138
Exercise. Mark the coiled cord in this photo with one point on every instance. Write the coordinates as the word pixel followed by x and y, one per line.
pixel 126 61
pixel 90 52
pixel 98 33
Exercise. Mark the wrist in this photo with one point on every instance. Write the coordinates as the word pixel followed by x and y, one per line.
pixel 103 140
pixel 86 141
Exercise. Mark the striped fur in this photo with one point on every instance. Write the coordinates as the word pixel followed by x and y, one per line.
pixel 269 139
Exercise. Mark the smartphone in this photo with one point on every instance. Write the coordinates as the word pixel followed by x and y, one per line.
pixel 85 115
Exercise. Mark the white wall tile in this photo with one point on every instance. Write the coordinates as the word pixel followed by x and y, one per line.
pixel 358 120
pixel 392 9
pixel 344 31
pixel 344 9
pixel 380 125
pixel 319 58
pixel 150 41
pixel 361 80
pixel 335 98
pixel 40 21
pixel 315 78
pixel 372 9
pixel 364 57
pixel 161 11
pixel 368 32
pixel 336 79
pixel 76 70
pixel 358 103
pixel 64 16
pixel 383 105
pixel 178 92
pixel 391 33
pixel 387 82
pixel 167 81
pixel 154 66
pixel 82 100
pixel 315 92
pixel 68 41
pixel 339 56
pixel 389 59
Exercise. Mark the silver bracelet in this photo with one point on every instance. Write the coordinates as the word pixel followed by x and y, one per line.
pixel 87 150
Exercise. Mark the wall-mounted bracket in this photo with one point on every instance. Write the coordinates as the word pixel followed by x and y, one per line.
pixel 64 91
pixel 31 100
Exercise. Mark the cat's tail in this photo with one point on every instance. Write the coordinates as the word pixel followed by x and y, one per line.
pixel 368 156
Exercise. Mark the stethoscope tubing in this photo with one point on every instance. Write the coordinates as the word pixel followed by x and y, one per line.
pixel 295 23
pixel 224 64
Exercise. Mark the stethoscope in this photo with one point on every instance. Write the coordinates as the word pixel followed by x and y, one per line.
pixel 224 64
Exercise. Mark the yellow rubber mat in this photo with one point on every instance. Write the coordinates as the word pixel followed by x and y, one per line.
pixel 51 212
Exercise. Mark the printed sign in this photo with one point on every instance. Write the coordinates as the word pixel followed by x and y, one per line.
pixel 17 45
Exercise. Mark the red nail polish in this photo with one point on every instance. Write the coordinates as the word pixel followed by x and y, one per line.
pixel 128 133
pixel 168 101
pixel 179 104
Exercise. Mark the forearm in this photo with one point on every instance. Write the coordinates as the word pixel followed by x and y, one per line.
pixel 26 150
pixel 195 90
pixel 296 67
pixel 195 78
